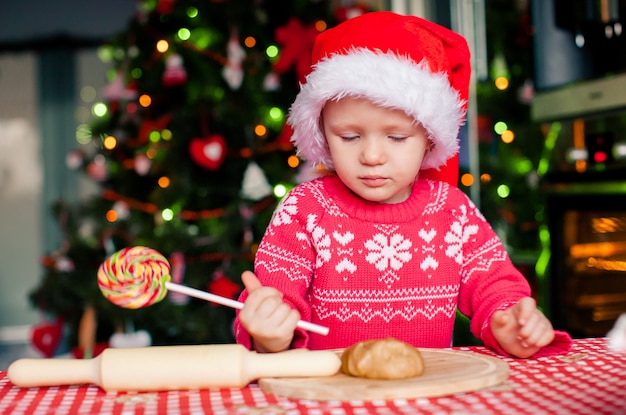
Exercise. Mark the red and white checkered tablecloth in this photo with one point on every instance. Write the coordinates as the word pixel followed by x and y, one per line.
pixel 589 380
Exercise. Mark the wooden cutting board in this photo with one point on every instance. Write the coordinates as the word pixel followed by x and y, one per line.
pixel 446 372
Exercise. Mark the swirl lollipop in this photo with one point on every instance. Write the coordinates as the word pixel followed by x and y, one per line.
pixel 134 277
pixel 138 277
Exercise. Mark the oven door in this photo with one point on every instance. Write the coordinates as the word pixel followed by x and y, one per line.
pixel 587 279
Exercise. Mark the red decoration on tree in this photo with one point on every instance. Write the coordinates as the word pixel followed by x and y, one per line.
pixel 149 126
pixel 344 13
pixel 223 286
pixel 283 141
pixel 175 73
pixel 46 337
pixel 165 6
pixel 297 42
pixel 208 152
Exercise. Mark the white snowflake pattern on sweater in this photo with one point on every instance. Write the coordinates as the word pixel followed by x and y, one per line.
pixel 369 270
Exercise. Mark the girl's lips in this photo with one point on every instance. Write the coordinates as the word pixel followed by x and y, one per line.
pixel 373 181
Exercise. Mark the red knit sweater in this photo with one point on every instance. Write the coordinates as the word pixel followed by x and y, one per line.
pixel 370 271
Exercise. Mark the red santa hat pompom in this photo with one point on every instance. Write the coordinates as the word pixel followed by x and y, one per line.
pixel 396 61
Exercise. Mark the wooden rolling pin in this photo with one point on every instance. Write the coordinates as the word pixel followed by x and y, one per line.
pixel 160 368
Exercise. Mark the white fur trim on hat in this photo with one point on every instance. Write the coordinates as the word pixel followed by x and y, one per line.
pixel 388 80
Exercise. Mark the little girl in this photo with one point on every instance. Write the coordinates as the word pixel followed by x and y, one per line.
pixel 385 245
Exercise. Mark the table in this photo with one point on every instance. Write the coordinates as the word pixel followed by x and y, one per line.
pixel 588 380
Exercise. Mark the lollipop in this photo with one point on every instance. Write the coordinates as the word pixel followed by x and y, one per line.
pixel 134 277
pixel 138 276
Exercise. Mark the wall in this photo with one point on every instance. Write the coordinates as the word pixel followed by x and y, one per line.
pixel 36 129
pixel 20 187
pixel 28 20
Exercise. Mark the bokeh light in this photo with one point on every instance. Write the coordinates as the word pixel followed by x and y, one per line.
pixel 503 191
pixel 167 214
pixel 162 45
pixel 280 190
pixel 293 161
pixel 500 127
pixel 99 109
pixel 145 100
pixel 501 83
pixel 467 179
pixel 507 136
pixel 164 182
pixel 271 52
pixel 250 42
pixel 109 142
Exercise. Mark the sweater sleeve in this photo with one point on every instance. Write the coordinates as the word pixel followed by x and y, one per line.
pixel 285 260
pixel 490 282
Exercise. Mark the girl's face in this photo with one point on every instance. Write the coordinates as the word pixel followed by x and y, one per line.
pixel 377 152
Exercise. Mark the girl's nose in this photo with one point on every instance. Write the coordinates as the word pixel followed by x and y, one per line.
pixel 371 151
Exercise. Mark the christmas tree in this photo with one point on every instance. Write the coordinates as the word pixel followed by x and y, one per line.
pixel 191 154
pixel 511 145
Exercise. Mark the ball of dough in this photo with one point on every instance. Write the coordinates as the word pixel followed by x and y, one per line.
pixel 382 359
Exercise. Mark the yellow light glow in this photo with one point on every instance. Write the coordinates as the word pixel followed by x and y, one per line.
pixel 260 130
pixel 109 142
pixel 467 179
pixel 485 177
pixel 166 134
pixel 111 215
pixel 320 25
pixel 501 83
pixel 145 100
pixel 164 182
pixel 249 42
pixel 162 46
pixel 293 161
pixel 597 249
pixel 507 137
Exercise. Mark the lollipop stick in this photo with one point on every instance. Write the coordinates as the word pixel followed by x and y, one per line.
pixel 203 295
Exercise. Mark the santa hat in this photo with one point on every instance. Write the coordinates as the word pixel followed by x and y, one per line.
pixel 396 61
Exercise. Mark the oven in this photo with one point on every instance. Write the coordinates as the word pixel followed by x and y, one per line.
pixel 586 282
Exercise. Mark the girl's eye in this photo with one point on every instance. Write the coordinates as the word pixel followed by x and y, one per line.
pixel 349 137
pixel 397 138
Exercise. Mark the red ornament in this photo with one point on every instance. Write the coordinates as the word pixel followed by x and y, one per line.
pixel 208 152
pixel 175 73
pixel 165 6
pixel 283 141
pixel 46 337
pixel 297 42
pixel 149 126
pixel 223 286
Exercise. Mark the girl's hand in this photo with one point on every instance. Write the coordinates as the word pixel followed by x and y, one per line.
pixel 522 329
pixel 269 321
